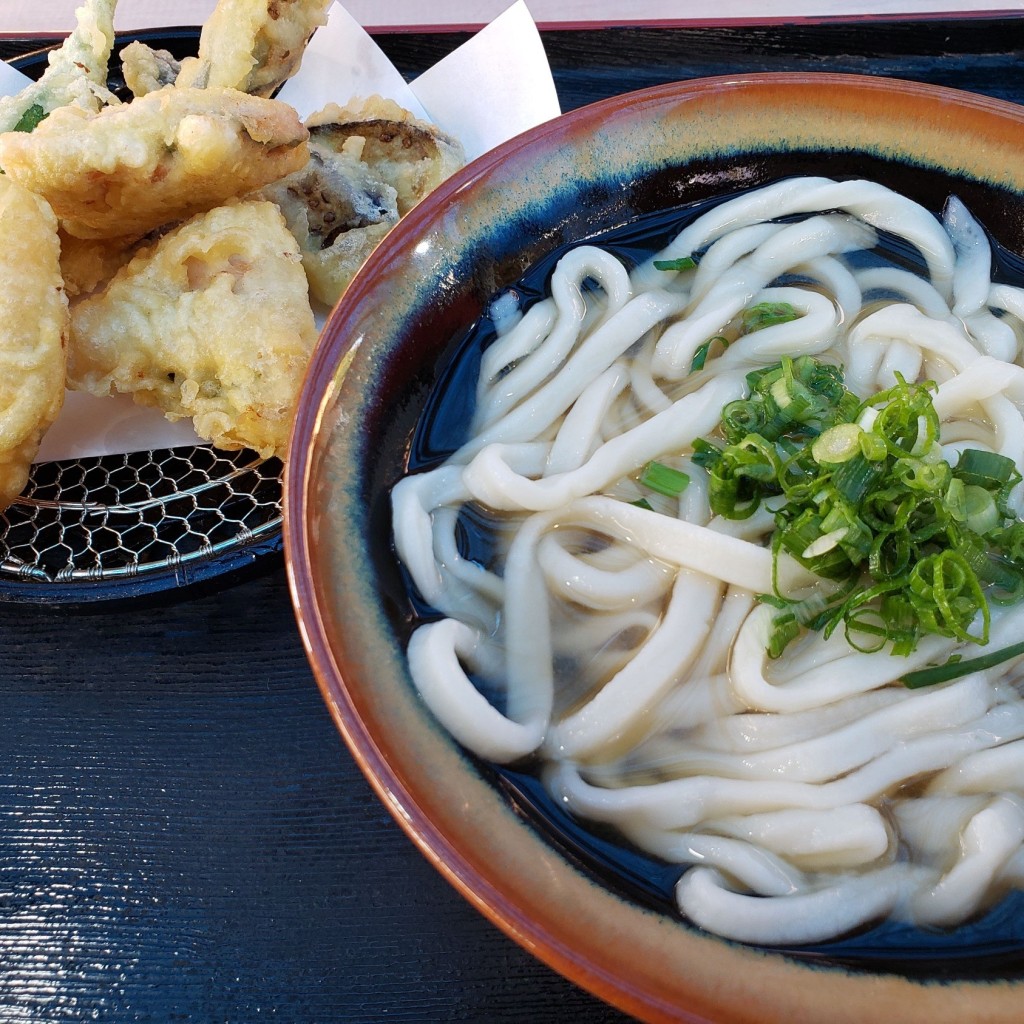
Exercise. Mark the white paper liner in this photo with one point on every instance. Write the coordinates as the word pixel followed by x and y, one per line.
pixel 494 86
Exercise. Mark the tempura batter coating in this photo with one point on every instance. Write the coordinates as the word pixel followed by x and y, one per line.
pixel 410 155
pixel 253 45
pixel 76 73
pixel 88 263
pixel 175 152
pixel 338 211
pixel 212 322
pixel 145 70
pixel 33 332
pixel 370 163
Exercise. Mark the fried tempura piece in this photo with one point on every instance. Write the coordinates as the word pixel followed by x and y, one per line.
pixel 133 168
pixel 338 211
pixel 410 155
pixel 212 322
pixel 86 264
pixel 77 72
pixel 33 332
pixel 145 70
pixel 369 163
pixel 253 45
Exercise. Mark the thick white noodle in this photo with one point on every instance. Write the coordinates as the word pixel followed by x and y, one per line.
pixel 972 277
pixel 492 479
pixel 623 647
pixel 574 269
pixel 741 285
pixel 810 916
pixel 891 282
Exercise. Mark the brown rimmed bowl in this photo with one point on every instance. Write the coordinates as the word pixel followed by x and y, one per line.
pixel 385 347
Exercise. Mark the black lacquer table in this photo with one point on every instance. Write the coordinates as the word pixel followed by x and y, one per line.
pixel 183 835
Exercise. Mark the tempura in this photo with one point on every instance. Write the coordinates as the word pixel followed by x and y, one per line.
pixel 132 168
pixel 76 75
pixel 33 332
pixel 211 322
pixel 253 45
pixel 370 163
pixel 145 69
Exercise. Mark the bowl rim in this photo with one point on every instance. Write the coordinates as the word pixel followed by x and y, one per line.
pixel 336 349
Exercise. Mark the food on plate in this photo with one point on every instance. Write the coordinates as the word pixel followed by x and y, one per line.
pixel 135 167
pixel 253 45
pixel 410 155
pixel 76 74
pixel 88 263
pixel 188 289
pixel 212 322
pixel 33 332
pixel 370 163
pixel 732 557
pixel 145 69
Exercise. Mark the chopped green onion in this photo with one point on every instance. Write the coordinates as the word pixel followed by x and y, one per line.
pixel 955 669
pixel 642 503
pixel 825 543
pixel 980 512
pixel 682 263
pixel 700 357
pixel 837 444
pixel 872 447
pixel 785 628
pixel 907 422
pixel 863 497
pixel 767 314
pixel 705 453
pixel 31 119
pixel 985 469
pixel 855 477
pixel 664 479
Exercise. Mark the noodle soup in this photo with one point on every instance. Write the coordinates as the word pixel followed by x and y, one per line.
pixel 603 641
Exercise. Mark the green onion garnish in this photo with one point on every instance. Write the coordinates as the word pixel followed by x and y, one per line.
pixel 700 357
pixel 664 479
pixel 682 263
pixel 838 444
pixel 768 314
pixel 980 512
pixel 956 668
pixel 862 497
pixel 985 469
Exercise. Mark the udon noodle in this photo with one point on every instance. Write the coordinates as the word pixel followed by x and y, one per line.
pixel 623 647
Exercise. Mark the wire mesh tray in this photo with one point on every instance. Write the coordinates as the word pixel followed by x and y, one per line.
pixel 116 526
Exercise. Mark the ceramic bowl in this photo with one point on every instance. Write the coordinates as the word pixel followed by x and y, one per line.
pixel 388 343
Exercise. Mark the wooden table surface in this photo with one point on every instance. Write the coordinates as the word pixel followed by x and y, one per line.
pixel 183 835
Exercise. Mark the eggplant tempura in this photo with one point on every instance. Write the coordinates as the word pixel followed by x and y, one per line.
pixel 370 163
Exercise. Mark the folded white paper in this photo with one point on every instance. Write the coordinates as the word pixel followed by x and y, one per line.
pixel 494 86
pixel 499 97
pixel 340 62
